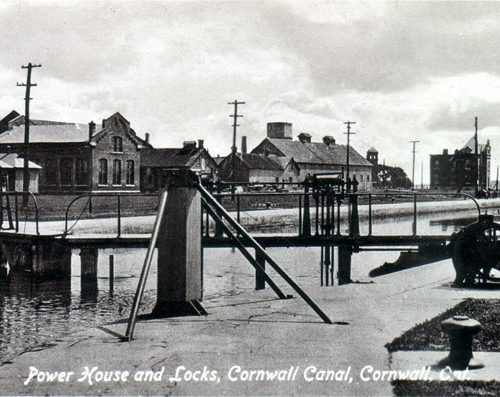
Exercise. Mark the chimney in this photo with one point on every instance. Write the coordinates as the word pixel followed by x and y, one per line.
pixel 328 140
pixel 304 137
pixel 279 130
pixel 200 143
pixel 91 130
pixel 147 137
pixel 189 145
pixel 103 123
pixel 445 152
pixel 243 145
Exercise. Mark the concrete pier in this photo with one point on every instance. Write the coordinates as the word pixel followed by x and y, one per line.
pixel 179 251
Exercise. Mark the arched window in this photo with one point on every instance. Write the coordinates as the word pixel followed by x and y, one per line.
pixel 117 172
pixel 103 172
pixel 130 177
pixel 117 144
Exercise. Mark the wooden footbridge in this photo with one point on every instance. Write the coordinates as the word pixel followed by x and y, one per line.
pixel 191 217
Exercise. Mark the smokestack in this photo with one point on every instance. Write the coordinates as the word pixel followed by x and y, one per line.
pixel 91 130
pixel 200 143
pixel 147 137
pixel 243 145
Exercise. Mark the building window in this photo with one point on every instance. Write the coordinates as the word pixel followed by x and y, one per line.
pixel 117 172
pixel 51 172
pixel 66 171
pixel 103 172
pixel 81 170
pixel 130 178
pixel 117 144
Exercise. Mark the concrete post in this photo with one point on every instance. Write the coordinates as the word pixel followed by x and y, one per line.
pixel 88 259
pixel 179 250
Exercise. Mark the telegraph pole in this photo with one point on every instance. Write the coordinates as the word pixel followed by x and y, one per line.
pixel 348 133
pixel 235 116
pixel 421 175
pixel 413 166
pixel 476 154
pixel 28 85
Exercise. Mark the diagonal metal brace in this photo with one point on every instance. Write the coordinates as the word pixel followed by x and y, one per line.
pixel 244 251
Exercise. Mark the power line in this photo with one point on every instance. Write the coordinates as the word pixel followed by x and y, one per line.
pixel 235 116
pixel 348 133
pixel 413 166
pixel 28 85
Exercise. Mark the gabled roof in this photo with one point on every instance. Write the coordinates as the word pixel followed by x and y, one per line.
pixel 47 133
pixel 471 143
pixel 259 162
pixel 318 152
pixel 12 160
pixel 169 157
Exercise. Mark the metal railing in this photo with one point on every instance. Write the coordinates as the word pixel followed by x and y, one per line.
pixel 18 206
pixel 89 207
pixel 327 216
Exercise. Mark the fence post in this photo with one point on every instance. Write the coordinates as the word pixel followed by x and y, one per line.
pixel 414 214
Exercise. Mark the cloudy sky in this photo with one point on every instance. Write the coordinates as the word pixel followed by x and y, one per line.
pixel 402 70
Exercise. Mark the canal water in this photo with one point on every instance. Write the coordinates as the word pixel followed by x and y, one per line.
pixel 34 315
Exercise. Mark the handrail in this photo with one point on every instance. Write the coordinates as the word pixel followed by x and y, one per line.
pixel 104 194
pixel 209 199
pixel 16 194
pixel 145 268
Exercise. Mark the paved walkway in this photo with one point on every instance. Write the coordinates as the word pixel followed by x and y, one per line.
pixel 247 331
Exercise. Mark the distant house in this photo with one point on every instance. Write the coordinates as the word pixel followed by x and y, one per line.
pixel 78 157
pixel 460 169
pixel 12 173
pixel 158 164
pixel 304 157
pixel 385 176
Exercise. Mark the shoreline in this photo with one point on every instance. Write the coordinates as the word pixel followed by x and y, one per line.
pixel 265 218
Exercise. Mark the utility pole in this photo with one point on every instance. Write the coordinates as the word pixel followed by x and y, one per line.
pixel 235 116
pixel 421 175
pixel 476 154
pixel 348 133
pixel 413 164
pixel 28 85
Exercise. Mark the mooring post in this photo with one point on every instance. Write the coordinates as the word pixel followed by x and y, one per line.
pixel 306 223
pixel 179 249
pixel 354 218
pixel 260 281
pixel 344 264
pixel 111 273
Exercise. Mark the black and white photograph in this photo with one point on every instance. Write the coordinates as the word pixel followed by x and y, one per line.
pixel 249 198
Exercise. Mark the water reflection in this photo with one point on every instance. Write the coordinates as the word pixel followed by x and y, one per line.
pixel 38 313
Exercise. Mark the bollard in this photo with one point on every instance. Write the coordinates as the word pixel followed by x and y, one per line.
pixel 461 330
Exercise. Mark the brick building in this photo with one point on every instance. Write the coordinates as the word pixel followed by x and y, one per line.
pixel 460 170
pixel 78 157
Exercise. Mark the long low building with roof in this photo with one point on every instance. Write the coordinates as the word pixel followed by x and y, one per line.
pixel 302 157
